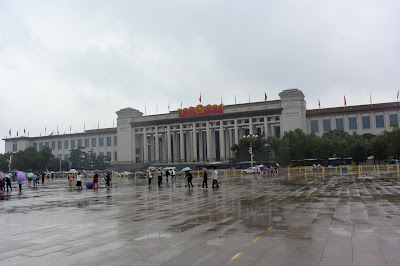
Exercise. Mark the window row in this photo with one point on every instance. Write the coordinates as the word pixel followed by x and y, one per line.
pixel 352 122
pixel 73 144
pixel 108 156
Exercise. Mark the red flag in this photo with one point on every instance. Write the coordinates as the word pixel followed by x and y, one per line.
pixel 45 130
pixel 51 133
pixel 345 103
pixel 181 105
pixel 168 108
pixel 265 96
pixel 84 126
pixel 58 132
pixel 398 95
pixel 17 133
pixel 370 98
pixel 9 132
pixel 319 104
pixel 40 133
pixel 200 97
pixel 24 131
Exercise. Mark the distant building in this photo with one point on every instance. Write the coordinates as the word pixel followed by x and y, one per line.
pixel 207 133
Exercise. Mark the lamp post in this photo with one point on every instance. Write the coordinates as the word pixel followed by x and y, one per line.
pixel 250 138
pixel 9 161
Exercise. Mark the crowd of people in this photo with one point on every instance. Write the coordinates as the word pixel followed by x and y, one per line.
pixel 188 175
pixel 33 178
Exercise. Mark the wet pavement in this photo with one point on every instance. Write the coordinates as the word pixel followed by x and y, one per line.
pixel 321 220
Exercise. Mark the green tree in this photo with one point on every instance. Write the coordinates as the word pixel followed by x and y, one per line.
pixel 242 149
pixel 379 148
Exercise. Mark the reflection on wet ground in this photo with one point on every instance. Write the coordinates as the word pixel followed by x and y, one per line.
pixel 281 220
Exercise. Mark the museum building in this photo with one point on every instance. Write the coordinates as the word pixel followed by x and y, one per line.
pixel 207 133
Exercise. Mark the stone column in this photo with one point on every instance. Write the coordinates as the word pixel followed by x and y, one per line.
pixel 194 142
pixel 265 126
pixel 157 143
pixel 208 139
pixel 169 154
pixel 182 143
pixel 250 125
pixel 201 156
pixel 152 147
pixel 221 141
pixel 145 146
pixel 236 131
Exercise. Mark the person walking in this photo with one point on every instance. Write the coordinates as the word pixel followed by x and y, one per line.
pixel 79 180
pixel 150 177
pixel 43 174
pixel 167 174
pixel 215 178
pixel 7 180
pixel 108 180
pixel 173 178
pixel 159 172
pixel 95 180
pixel 35 178
pixel 19 182
pixel 204 179
pixel 71 179
pixel 189 177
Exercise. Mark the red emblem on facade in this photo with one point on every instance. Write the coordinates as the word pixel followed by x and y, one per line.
pixel 201 110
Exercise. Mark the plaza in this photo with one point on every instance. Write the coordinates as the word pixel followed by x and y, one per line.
pixel 318 219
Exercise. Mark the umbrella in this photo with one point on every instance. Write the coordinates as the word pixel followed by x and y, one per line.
pixel 72 171
pixel 89 185
pixel 151 168
pixel 160 168
pixel 21 176
pixel 30 175
pixel 206 170
pixel 1 175
pixel 186 169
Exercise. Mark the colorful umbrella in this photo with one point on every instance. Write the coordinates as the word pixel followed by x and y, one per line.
pixel 21 176
pixel 30 175
pixel 72 171
pixel 186 169
pixel 89 185
pixel 1 175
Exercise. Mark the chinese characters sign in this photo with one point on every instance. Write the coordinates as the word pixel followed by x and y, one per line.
pixel 201 110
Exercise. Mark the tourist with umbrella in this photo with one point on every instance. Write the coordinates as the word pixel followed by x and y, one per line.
pixel 215 178
pixel 7 180
pixel 2 181
pixel 205 176
pixel 21 178
pixel 189 177
pixel 71 173
pixel 159 172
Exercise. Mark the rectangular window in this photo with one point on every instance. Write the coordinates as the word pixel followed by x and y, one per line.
pixel 327 124
pixel 366 122
pixel 115 141
pixel 278 132
pixel 93 142
pixel 66 144
pixel 72 144
pixel 314 126
pixel 108 156
pixel 47 144
pixel 59 143
pixel 339 124
pixel 14 147
pixel 353 123
pixel 101 141
pixel 35 146
pixel 109 141
pixel 65 157
pixel 80 143
pixel 40 146
pixel 277 119
pixel 394 120
pixel 53 145
pixel 115 156
pixel 380 122
pixel 86 143
pixel 262 119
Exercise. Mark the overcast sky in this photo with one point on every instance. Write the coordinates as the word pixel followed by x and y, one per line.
pixel 70 62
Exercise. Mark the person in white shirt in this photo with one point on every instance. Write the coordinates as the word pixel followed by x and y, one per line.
pixel 215 178
pixel 150 177
pixel 79 181
pixel 173 175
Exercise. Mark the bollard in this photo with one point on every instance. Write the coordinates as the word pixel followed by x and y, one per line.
pixel 288 171
pixel 378 168
pixel 323 171
pixel 305 173
pixel 241 173
pixel 359 170
pixel 374 168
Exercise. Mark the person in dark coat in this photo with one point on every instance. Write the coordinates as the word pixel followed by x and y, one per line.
pixel 205 176
pixel 189 177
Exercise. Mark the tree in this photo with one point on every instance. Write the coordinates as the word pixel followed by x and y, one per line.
pixel 242 149
pixel 358 149
pixel 379 148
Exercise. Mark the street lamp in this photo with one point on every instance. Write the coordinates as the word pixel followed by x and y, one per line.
pixel 9 161
pixel 250 138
